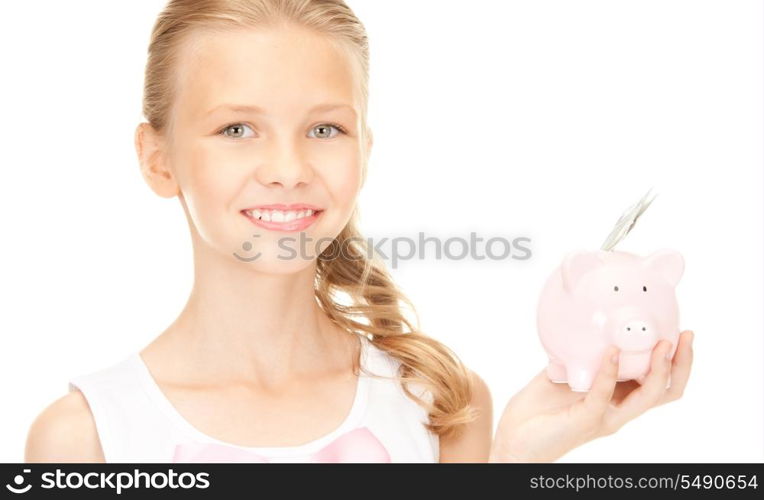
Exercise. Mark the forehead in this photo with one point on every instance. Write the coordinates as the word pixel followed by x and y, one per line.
pixel 286 69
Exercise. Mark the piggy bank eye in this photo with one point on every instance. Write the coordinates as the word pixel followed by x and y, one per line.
pixel 615 288
pixel 644 288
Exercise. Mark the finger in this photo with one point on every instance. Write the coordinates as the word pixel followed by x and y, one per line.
pixel 680 371
pixel 653 387
pixel 660 369
pixel 599 396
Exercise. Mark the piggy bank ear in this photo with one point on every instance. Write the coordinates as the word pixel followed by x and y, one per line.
pixel 577 264
pixel 667 263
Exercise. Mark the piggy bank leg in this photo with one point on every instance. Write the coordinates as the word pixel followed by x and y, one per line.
pixel 556 372
pixel 580 379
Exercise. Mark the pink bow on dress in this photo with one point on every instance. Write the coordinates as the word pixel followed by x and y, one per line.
pixel 358 445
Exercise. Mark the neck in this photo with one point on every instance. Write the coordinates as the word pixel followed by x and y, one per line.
pixel 244 325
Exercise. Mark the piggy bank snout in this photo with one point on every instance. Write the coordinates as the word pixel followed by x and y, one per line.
pixel 638 326
pixel 636 334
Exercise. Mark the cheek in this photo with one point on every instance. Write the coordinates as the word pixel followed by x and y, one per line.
pixel 342 179
pixel 210 174
pixel 208 183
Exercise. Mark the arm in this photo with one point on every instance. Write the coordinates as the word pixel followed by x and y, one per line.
pixel 64 432
pixel 473 444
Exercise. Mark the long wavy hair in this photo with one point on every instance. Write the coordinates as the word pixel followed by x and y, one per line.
pixel 352 286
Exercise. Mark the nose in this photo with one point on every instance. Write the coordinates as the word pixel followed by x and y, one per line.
pixel 287 167
pixel 636 335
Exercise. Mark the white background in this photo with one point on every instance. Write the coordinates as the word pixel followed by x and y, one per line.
pixel 543 119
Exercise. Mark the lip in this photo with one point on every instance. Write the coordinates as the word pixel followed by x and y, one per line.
pixel 290 226
pixel 281 206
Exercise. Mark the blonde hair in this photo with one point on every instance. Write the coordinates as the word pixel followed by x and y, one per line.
pixel 373 304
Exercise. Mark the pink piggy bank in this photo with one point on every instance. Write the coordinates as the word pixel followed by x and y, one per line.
pixel 598 298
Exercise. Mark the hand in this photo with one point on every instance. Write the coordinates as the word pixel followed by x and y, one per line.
pixel 545 420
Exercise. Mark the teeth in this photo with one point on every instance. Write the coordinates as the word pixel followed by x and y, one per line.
pixel 279 215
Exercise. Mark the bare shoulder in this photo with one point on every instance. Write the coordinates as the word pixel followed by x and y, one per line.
pixel 473 443
pixel 65 431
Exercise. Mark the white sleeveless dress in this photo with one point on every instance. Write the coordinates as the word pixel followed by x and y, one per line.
pixel 137 423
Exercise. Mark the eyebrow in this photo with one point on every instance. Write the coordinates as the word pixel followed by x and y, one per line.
pixel 245 108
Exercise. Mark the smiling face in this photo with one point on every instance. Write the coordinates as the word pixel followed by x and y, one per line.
pixel 264 117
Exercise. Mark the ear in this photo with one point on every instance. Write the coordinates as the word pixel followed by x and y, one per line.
pixel 576 264
pixel 369 140
pixel 367 152
pixel 154 168
pixel 667 263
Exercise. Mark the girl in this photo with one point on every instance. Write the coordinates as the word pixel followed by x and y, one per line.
pixel 294 345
